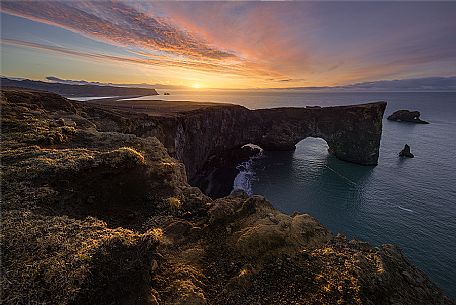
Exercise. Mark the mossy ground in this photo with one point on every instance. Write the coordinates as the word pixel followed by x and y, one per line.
pixel 73 205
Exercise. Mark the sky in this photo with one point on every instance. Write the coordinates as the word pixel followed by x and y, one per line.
pixel 228 44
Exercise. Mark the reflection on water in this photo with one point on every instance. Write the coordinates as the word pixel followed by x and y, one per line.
pixel 310 173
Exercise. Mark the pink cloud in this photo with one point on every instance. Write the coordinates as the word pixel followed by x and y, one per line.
pixel 260 33
pixel 243 69
pixel 115 22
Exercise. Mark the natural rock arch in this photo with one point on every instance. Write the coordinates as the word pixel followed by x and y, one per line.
pixel 206 130
pixel 352 133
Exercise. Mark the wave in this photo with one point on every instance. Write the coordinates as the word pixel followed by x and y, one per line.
pixel 246 176
pixel 408 210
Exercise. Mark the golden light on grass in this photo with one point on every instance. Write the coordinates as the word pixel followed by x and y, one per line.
pixel 174 202
pixel 243 272
pixel 157 233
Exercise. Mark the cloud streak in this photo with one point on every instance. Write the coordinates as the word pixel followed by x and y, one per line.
pixel 264 44
pixel 161 61
pixel 117 23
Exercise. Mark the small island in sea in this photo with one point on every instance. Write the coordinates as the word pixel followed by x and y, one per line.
pixel 112 195
pixel 407 116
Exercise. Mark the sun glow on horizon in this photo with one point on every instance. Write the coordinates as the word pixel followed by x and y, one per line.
pixel 175 44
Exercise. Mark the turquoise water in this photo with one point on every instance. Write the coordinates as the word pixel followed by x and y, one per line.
pixel 410 202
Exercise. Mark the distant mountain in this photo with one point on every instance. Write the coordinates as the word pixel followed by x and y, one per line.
pixel 83 82
pixel 86 90
pixel 412 84
pixel 419 84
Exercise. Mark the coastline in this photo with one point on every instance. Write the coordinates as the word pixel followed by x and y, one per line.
pixel 124 206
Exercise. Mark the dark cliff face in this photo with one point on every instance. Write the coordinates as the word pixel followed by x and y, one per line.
pixel 195 134
pixel 353 133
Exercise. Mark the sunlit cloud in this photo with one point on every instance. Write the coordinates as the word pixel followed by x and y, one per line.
pixel 270 33
pixel 254 44
pixel 241 69
pixel 115 22
pixel 153 40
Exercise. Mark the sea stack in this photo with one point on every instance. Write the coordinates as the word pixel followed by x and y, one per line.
pixel 405 152
pixel 407 116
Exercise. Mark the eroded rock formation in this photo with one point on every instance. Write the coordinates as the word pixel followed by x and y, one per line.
pixel 352 132
pixel 407 116
pixel 194 132
pixel 104 217
pixel 405 152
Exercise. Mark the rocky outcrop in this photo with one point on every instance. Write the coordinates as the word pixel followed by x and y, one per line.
pixel 405 152
pixel 104 217
pixel 407 116
pixel 352 132
pixel 196 132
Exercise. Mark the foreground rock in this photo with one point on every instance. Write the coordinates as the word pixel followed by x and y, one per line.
pixel 407 116
pixel 103 217
pixel 405 152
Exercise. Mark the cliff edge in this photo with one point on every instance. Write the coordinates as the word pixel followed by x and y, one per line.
pixel 195 133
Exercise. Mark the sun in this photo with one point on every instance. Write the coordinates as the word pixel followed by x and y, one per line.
pixel 196 86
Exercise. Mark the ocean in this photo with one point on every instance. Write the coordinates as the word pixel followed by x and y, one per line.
pixel 409 202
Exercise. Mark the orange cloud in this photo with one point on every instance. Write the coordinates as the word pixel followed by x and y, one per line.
pixel 115 22
pixel 260 44
pixel 259 34
pixel 150 60
pixel 154 41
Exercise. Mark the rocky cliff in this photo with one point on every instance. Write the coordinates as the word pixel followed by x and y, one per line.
pixel 196 132
pixel 104 217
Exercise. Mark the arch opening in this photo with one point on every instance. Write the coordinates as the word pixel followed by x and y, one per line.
pixel 312 147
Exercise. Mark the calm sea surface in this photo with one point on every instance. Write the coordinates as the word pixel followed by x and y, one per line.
pixel 410 202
